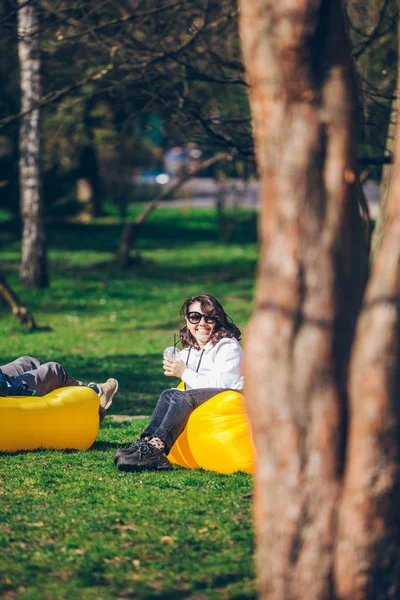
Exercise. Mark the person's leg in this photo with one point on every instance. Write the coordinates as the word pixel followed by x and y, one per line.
pixel 159 413
pixel 46 378
pixel 106 392
pixel 50 376
pixel 178 406
pixel 156 419
pixel 20 365
pixel 173 411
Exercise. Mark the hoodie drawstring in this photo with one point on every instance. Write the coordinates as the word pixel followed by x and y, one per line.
pixel 198 364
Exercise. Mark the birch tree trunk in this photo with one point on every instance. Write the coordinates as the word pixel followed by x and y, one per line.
pixel 312 272
pixel 34 255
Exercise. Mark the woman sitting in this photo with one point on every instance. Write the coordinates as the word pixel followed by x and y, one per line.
pixel 210 362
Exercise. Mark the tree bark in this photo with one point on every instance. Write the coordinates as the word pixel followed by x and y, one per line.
pixel 220 197
pixel 312 272
pixel 387 171
pixel 89 167
pixel 34 255
pixel 368 544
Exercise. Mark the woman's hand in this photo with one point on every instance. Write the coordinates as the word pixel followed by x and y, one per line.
pixel 173 367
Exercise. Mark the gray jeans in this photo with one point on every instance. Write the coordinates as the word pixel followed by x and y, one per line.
pixel 42 378
pixel 172 412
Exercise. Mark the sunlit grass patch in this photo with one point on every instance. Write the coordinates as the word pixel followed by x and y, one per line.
pixel 71 525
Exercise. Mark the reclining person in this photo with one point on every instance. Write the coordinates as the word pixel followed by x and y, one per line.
pixel 25 376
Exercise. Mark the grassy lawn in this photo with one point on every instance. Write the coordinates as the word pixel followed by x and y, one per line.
pixel 71 526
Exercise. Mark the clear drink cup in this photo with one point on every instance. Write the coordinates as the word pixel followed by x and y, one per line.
pixel 170 352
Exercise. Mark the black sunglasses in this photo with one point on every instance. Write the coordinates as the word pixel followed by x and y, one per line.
pixel 195 317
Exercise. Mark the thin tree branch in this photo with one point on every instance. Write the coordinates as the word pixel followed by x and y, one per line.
pixel 123 19
pixel 129 231
pixel 53 96
pixel 18 309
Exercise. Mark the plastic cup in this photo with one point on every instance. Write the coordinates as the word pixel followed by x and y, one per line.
pixel 170 352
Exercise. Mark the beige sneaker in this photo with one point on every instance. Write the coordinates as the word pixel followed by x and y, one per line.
pixel 106 395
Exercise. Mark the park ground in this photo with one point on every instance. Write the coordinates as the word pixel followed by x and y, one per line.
pixel 71 526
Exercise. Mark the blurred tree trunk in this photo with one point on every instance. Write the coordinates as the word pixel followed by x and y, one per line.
pixel 312 273
pixel 385 187
pixel 34 254
pixel 89 167
pixel 387 171
pixel 368 541
pixel 220 197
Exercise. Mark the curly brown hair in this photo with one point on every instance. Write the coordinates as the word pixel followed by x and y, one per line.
pixel 224 326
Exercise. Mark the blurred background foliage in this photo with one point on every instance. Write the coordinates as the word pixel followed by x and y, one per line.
pixel 122 83
pixel 126 81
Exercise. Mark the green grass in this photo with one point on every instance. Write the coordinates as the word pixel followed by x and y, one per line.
pixel 71 525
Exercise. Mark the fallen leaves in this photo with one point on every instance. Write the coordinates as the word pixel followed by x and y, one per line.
pixel 36 524
pixel 167 539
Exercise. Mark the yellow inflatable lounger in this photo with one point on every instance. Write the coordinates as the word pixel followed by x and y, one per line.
pixel 67 418
pixel 217 437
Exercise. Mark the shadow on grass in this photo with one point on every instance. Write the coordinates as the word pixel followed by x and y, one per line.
pixel 205 270
pixel 39 451
pixel 104 446
pixel 95 447
pixel 169 229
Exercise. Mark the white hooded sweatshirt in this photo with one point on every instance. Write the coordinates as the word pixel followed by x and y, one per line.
pixel 218 366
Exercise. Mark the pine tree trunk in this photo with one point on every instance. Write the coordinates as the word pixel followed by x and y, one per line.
pixel 34 255
pixel 312 272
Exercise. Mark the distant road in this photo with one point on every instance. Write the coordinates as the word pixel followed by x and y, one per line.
pixel 201 193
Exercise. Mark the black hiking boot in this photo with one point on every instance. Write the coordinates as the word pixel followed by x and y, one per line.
pixel 144 456
pixel 125 451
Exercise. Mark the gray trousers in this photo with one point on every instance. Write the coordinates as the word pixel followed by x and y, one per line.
pixel 172 412
pixel 42 378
